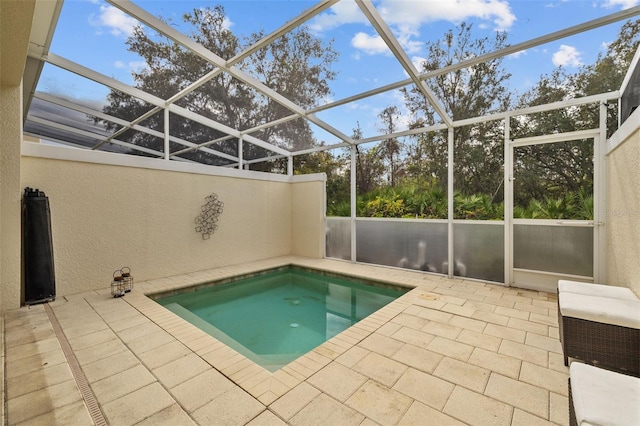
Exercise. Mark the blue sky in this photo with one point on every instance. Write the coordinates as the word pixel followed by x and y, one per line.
pixel 92 33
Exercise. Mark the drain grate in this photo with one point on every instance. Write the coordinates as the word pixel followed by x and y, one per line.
pixel 81 380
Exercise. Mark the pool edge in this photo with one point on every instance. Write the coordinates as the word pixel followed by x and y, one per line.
pixel 264 385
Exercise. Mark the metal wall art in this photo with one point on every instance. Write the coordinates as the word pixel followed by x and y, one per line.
pixel 207 220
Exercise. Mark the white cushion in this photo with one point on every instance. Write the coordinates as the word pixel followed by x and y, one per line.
pixel 602 397
pixel 596 290
pixel 622 312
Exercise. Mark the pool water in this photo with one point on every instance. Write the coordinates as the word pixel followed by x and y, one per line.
pixel 274 318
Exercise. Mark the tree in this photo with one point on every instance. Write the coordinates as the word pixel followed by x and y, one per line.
pixel 338 177
pixel 296 65
pixel 551 172
pixel 390 148
pixel 426 160
pixel 369 165
pixel 469 92
pixel 607 73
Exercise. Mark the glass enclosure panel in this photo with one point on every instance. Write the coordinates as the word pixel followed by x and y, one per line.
pixel 478 250
pixel 338 238
pixel 630 98
pixel 560 249
pixel 413 244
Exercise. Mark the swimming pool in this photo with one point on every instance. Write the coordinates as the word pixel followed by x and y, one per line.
pixel 275 317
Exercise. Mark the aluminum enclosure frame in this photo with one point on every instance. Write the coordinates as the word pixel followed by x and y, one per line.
pixel 48 12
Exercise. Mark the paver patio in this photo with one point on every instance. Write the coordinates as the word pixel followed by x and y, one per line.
pixel 447 352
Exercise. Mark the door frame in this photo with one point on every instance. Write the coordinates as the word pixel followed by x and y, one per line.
pixel 545 280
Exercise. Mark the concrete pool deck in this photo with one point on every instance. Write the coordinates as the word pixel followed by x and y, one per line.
pixel 447 352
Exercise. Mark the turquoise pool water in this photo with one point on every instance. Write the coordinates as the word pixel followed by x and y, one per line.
pixel 275 317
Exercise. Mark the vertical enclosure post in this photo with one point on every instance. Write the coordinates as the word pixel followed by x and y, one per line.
pixel 240 154
pixel 508 203
pixel 450 259
pixel 354 158
pixel 290 165
pixel 599 199
pixel 166 133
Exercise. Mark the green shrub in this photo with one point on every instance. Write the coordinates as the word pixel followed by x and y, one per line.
pixel 430 202
pixel 385 207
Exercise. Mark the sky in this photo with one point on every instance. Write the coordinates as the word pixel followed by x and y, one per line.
pixel 93 33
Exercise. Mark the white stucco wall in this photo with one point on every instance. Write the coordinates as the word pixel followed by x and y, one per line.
pixel 15 26
pixel 10 239
pixel 308 206
pixel 105 216
pixel 623 205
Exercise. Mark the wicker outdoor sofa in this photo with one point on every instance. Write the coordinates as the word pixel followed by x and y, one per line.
pixel 600 325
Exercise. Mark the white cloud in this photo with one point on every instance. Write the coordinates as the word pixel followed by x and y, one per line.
pixel 404 35
pixel 417 62
pixel 624 4
pixel 227 23
pixel 516 55
pixel 406 17
pixel 137 66
pixel 344 12
pixel 117 22
pixel 604 46
pixel 360 106
pixel 133 66
pixel 416 13
pixel 327 100
pixel 398 98
pixel 567 56
pixel 375 44
pixel 551 5
pixel 372 45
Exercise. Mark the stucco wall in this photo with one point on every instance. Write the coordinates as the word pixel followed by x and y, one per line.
pixel 623 206
pixel 10 133
pixel 15 26
pixel 106 216
pixel 308 218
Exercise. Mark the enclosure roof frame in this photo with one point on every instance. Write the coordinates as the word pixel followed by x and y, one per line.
pixel 45 21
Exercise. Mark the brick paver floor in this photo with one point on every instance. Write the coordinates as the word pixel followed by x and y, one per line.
pixel 447 352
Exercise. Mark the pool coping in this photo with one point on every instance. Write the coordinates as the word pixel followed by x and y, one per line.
pixel 262 384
